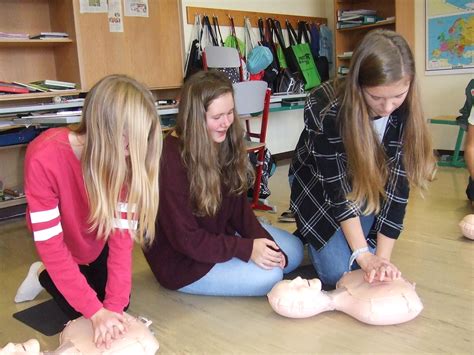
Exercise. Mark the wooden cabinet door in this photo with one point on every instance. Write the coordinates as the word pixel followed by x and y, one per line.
pixel 149 49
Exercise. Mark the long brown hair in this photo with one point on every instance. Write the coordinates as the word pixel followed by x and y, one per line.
pixel 115 107
pixel 382 58
pixel 211 167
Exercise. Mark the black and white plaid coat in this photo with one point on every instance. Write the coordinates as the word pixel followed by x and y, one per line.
pixel 321 182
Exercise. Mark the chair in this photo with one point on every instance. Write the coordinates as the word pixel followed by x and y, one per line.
pixel 222 58
pixel 466 117
pixel 454 160
pixel 252 101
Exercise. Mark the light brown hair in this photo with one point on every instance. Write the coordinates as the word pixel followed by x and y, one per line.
pixel 116 107
pixel 211 167
pixel 382 58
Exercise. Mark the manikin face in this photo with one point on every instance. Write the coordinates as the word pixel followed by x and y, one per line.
pixel 384 99
pixel 220 116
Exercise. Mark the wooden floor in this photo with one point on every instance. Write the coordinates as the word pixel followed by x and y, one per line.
pixel 431 252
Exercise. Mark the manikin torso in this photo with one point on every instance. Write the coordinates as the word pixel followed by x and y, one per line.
pixel 378 303
pixel 77 337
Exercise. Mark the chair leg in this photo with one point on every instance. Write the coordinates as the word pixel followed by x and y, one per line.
pixel 256 187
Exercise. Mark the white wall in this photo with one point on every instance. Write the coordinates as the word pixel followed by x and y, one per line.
pixel 441 94
pixel 284 127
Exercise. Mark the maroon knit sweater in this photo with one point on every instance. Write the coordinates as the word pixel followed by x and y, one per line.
pixel 186 247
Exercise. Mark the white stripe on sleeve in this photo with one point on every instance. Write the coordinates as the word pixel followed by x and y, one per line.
pixel 122 207
pixel 44 216
pixel 48 233
pixel 123 224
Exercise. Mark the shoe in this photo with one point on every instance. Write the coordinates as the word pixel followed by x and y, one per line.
pixel 287 217
pixel 470 190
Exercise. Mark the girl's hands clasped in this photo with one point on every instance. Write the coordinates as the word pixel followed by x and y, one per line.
pixel 107 326
pixel 377 268
pixel 266 254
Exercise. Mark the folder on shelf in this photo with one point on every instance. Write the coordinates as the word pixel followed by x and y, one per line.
pixel 54 84
pixel 43 35
pixel 31 87
pixel 11 88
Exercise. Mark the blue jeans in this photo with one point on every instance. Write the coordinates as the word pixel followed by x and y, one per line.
pixel 239 278
pixel 332 260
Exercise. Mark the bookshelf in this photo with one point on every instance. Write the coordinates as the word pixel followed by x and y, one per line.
pixel 147 45
pixel 150 49
pixel 346 39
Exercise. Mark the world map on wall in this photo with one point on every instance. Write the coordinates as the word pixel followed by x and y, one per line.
pixel 450 34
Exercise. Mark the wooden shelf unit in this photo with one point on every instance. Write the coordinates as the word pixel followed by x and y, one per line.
pixel 347 39
pixel 149 49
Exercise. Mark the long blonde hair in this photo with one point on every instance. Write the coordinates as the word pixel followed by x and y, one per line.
pixel 211 167
pixel 115 107
pixel 383 57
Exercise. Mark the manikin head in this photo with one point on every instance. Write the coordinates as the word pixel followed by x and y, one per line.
pixel 377 303
pixel 467 226
pixel 298 298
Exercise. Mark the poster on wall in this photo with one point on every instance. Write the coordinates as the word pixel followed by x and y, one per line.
pixel 87 6
pixel 115 16
pixel 449 36
pixel 136 8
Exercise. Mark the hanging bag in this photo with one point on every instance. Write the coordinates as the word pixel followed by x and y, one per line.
pixel 322 64
pixel 288 54
pixel 271 72
pixel 257 57
pixel 234 42
pixel 288 81
pixel 217 29
pixel 275 25
pixel 194 57
pixel 304 58
pixel 211 36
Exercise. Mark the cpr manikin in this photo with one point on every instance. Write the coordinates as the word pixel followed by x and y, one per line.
pixel 77 337
pixel 377 303
pixel 467 226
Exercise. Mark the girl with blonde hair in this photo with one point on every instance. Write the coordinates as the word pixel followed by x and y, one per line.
pixel 208 238
pixel 92 192
pixel 364 144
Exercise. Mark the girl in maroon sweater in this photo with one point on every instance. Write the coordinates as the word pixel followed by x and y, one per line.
pixel 208 239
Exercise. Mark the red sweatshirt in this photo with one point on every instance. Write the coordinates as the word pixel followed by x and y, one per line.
pixel 186 247
pixel 57 215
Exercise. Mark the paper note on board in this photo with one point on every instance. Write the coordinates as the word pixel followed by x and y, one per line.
pixel 115 16
pixel 86 6
pixel 137 8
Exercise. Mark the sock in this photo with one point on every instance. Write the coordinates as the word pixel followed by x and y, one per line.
pixel 30 287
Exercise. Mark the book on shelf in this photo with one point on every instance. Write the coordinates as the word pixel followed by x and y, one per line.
pixel 31 87
pixel 347 13
pixel 343 25
pixel 11 35
pixel 342 70
pixel 360 21
pixel 11 88
pixel 345 55
pixel 54 84
pixel 390 19
pixel 45 35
